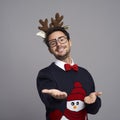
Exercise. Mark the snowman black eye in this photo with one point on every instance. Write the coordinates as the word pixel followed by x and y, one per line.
pixel 72 103
pixel 77 103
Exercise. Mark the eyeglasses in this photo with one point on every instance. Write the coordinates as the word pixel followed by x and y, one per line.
pixel 61 40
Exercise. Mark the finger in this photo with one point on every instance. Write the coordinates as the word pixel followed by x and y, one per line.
pixel 45 91
pixel 61 95
pixel 64 94
pixel 98 93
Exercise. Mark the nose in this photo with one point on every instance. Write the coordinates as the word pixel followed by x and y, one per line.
pixel 58 43
pixel 74 107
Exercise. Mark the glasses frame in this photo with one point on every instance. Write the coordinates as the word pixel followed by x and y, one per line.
pixel 52 43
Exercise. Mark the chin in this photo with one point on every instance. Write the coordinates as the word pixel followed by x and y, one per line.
pixel 61 57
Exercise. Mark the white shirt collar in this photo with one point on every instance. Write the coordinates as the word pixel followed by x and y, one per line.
pixel 60 64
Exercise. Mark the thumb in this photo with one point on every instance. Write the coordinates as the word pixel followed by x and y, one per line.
pixel 98 93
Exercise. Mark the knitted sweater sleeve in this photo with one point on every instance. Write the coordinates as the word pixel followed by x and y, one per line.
pixel 45 81
pixel 93 108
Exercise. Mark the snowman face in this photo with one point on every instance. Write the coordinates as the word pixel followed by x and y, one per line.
pixel 75 105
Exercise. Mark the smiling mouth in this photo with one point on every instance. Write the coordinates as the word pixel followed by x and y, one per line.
pixel 60 49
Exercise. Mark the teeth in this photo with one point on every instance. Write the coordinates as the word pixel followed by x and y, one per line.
pixel 60 49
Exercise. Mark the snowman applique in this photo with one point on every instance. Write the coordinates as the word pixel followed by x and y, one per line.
pixel 75 106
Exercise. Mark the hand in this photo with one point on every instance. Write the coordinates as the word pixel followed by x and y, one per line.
pixel 55 93
pixel 92 97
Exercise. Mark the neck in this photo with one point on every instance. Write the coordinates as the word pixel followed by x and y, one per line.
pixel 68 60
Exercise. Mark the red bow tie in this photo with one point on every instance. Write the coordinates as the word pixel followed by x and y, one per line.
pixel 71 67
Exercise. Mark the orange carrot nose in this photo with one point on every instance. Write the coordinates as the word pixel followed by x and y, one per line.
pixel 74 107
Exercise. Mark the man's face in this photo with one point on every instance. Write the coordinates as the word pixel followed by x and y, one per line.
pixel 59 45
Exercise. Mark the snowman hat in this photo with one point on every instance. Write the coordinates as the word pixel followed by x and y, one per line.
pixel 77 93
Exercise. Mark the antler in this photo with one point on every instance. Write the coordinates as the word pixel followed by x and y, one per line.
pixel 57 21
pixel 44 24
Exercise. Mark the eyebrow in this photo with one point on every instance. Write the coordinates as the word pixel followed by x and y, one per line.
pixel 57 38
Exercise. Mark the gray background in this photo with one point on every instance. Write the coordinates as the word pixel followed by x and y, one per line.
pixel 95 33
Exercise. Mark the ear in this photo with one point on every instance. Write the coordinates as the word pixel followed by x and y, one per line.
pixel 70 43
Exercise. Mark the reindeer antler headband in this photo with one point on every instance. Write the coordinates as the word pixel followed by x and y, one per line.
pixel 57 22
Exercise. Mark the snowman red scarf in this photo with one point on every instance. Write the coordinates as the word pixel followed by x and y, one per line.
pixel 71 115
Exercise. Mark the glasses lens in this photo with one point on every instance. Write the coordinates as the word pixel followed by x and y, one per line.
pixel 62 39
pixel 52 43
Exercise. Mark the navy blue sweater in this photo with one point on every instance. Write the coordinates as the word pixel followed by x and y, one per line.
pixel 53 77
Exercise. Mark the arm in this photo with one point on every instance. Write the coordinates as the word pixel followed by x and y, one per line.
pixel 46 87
pixel 93 108
pixel 92 100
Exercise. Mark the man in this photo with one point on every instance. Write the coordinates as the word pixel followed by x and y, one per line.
pixel 67 90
